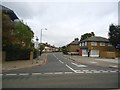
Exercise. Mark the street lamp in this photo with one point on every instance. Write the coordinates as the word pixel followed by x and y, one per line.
pixel 41 38
pixel 41 35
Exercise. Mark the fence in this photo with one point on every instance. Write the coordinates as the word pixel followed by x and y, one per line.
pixel 107 54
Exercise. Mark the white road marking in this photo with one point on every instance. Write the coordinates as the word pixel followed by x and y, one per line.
pixel 80 72
pixel 93 62
pixel 115 66
pixel 113 71
pixel 97 72
pixel 36 73
pixel 79 65
pixel 102 70
pixel 93 70
pixel 89 72
pixel 68 72
pixel 58 73
pixel 70 68
pixel 86 70
pixel 11 74
pixel 24 74
pixel 60 61
pixel 76 71
pixel 105 71
pixel 48 73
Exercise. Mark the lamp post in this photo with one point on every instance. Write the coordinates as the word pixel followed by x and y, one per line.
pixel 37 46
pixel 41 39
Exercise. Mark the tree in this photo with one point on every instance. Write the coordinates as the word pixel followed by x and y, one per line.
pixel 64 50
pixel 42 47
pixel 24 35
pixel 7 31
pixel 16 39
pixel 114 35
pixel 86 35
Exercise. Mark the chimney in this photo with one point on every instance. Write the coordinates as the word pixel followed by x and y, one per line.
pixel 76 39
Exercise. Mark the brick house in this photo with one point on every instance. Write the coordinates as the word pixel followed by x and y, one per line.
pixel 95 45
pixel 49 48
pixel 73 47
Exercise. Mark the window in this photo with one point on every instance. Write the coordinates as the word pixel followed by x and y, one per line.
pixel 82 44
pixel 109 44
pixel 85 43
pixel 94 43
pixel 102 44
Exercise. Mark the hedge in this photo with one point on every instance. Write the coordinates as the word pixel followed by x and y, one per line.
pixel 16 52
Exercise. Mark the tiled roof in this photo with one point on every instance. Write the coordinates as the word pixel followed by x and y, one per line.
pixel 9 12
pixel 74 43
pixel 96 39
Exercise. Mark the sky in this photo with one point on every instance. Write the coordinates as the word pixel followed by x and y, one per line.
pixel 66 20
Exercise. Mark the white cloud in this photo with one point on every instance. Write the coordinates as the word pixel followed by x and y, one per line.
pixel 66 21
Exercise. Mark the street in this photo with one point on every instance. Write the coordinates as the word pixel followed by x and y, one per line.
pixel 59 72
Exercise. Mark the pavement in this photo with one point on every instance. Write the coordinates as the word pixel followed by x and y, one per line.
pixel 19 64
pixel 113 63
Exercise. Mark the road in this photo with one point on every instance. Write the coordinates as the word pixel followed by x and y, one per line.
pixel 59 72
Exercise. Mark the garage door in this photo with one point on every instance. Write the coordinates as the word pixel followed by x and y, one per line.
pixel 84 52
pixel 94 53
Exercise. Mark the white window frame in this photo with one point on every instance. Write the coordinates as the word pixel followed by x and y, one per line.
pixel 80 44
pixel 85 43
pixel 102 44
pixel 94 43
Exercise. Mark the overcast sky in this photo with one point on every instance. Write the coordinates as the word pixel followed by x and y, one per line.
pixel 64 20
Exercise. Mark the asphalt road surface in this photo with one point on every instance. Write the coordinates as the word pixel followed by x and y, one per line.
pixel 59 72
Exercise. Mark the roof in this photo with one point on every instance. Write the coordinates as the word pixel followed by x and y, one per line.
pixel 74 43
pixel 9 12
pixel 95 39
pixel 48 45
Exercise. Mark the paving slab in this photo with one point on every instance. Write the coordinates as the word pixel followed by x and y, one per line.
pixel 93 61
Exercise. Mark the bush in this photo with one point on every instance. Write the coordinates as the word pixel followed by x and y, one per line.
pixel 34 53
pixel 15 52
pixel 65 51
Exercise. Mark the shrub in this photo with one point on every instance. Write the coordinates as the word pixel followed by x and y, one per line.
pixel 15 52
